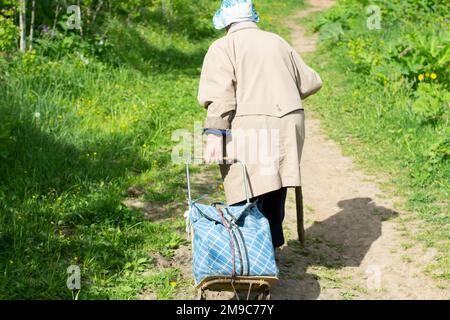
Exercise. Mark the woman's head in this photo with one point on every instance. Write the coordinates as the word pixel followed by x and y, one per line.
pixel 234 11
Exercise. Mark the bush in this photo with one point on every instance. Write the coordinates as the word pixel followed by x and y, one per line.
pixel 412 47
pixel 431 102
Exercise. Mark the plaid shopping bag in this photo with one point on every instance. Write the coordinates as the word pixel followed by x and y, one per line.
pixel 230 240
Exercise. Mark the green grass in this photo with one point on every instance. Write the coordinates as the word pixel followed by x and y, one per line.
pixel 75 135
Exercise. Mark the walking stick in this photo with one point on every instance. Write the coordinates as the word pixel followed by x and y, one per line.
pixel 300 215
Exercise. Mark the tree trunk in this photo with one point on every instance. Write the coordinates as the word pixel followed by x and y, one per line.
pixel 33 16
pixel 23 25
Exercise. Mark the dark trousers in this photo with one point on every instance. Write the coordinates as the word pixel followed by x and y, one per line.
pixel 272 205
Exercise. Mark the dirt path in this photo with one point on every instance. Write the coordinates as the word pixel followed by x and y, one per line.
pixel 354 247
pixel 301 42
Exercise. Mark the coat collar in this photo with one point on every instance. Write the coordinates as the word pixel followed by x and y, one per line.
pixel 242 25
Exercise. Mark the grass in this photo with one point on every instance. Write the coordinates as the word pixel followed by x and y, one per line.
pixel 347 295
pixel 375 125
pixel 77 132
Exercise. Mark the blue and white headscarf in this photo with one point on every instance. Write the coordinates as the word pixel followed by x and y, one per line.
pixel 233 11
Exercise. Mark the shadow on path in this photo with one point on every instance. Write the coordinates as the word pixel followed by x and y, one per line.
pixel 340 241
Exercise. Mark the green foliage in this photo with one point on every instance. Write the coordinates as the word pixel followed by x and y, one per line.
pixel 82 135
pixel 83 119
pixel 437 153
pixel 428 51
pixel 431 102
pixel 424 45
pixel 186 18
pixel 8 30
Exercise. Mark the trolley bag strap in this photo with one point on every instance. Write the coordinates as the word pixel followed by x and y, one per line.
pixel 230 233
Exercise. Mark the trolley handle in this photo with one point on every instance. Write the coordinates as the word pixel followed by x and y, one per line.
pixel 244 172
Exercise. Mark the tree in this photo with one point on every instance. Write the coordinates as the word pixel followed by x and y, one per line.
pixel 33 16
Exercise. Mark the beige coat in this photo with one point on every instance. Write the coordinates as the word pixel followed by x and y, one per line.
pixel 253 83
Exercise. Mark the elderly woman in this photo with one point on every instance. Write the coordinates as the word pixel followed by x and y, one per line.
pixel 253 84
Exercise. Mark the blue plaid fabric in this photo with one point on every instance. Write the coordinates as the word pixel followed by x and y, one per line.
pixel 212 250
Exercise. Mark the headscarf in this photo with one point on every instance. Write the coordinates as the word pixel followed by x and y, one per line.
pixel 233 11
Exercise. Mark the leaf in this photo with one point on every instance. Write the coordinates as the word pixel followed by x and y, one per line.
pixel 331 31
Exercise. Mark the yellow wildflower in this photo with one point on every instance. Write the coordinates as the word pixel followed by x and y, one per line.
pixel 433 76
pixel 173 284
pixel 421 77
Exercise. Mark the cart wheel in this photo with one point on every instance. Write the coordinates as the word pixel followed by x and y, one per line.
pixel 264 294
pixel 261 295
pixel 201 295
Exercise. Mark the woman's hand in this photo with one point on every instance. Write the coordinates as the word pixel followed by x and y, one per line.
pixel 214 148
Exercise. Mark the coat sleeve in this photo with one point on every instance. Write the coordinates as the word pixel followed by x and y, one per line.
pixel 217 90
pixel 308 81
